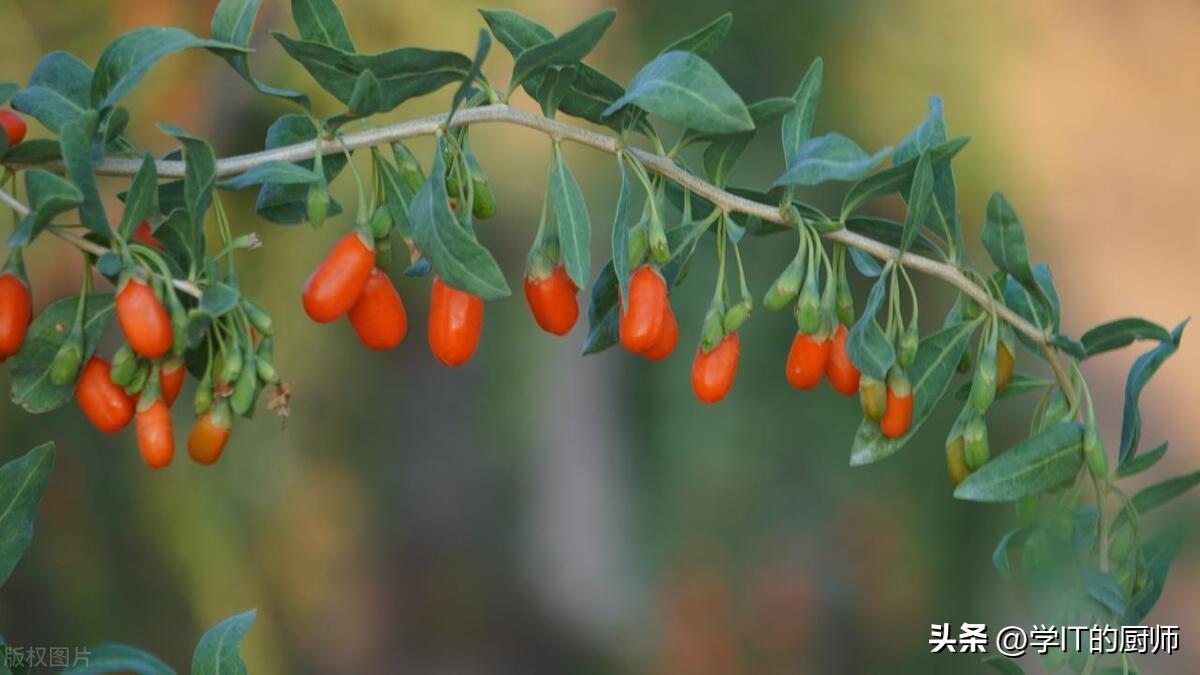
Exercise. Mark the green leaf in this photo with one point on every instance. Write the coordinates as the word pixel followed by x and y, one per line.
pixel 555 87
pixel 1142 462
pixel 620 234
pixel 398 195
pixel 566 49
pixel 869 348
pixel 366 98
pixel 797 125
pixel 517 33
pixel 22 482
pixel 402 73
pixel 1154 496
pixel 720 157
pixel 889 232
pixel 199 179
pixel 1039 306
pixel 1158 553
pixel 76 144
pixel 1035 465
pixel 233 22
pixel 930 375
pixel 219 650
pixel 896 178
pixel 928 135
pixel 128 58
pixel 574 224
pixel 1120 333
pixel 49 196
pixel 1003 664
pixel 604 313
pixel 1000 555
pixel 920 201
pixel 456 255
pixel 34 151
pixel 8 90
pixel 706 40
pixel 112 657
pixel 284 204
pixel 1103 588
pixel 1004 239
pixel 482 46
pixel 685 90
pixel 141 202
pixel 829 157
pixel 1021 383
pixel 219 299
pixel 31 385
pixel 1140 373
pixel 59 91
pixel 280 173
pixel 321 21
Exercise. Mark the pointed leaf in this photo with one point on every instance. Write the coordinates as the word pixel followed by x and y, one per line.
pixel 1142 462
pixel 829 157
pixel 22 482
pixel 1000 555
pixel 77 146
pixel 1140 373
pixel 897 178
pixel 1104 589
pixel 1004 239
pixel 457 257
pixel 620 234
pixel 1156 495
pixel 574 224
pixel 706 40
pixel 797 126
pixel 284 204
pixel 219 650
pixel 685 90
pixel 280 173
pixel 920 201
pixel 49 196
pixel 321 21
pixel 482 46
pixel 869 348
pixel 1035 465
pixel 59 91
pixel 1159 553
pixel 1120 333
pixel 31 385
pixel 604 313
pixel 141 202
pixel 111 657
pixel 128 58
pixel 566 49
pixel 233 22
pixel 889 232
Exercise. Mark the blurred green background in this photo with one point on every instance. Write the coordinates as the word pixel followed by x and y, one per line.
pixel 538 512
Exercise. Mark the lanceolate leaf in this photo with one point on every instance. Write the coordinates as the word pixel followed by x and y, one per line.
pixel 402 73
pixel 620 234
pixel 457 257
pixel 1120 333
pixel 889 232
pixel 555 87
pixel 200 176
pixel 1140 373
pixel 566 49
pixel 1159 553
pixel 930 376
pixel 31 385
pixel 706 40
pixel 574 225
pixel 1019 384
pixel 928 135
pixel 829 157
pixel 1000 555
pixel 22 482
pixel 920 202
pixel 868 346
pixel 797 125
pixel 685 90
pixel 1104 589
pixel 1158 494
pixel 1142 462
pixel 141 202
pixel 321 21
pixel 49 196
pixel 482 47
pixel 603 313
pixel 76 143
pixel 128 58
pixel 399 197
pixel 59 91
pixel 219 650
pixel 233 22
pixel 1004 239
pixel 111 657
pixel 281 173
pixel 897 178
pixel 1035 465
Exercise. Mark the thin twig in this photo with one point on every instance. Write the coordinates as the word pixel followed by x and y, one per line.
pixel 501 113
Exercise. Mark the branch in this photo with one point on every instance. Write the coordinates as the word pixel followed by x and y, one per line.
pixel 91 246
pixel 664 166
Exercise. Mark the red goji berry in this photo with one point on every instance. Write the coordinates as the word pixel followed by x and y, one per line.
pixel 379 317
pixel 455 322
pixel 336 284
pixel 552 301
pixel 104 403
pixel 642 318
pixel 807 360
pixel 713 371
pixel 144 320
pixel 840 369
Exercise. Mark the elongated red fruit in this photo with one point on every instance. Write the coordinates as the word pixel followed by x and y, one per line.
pixel 339 280
pixel 642 317
pixel 16 311
pixel 455 323
pixel 713 371
pixel 552 301
pixel 144 320
pixel 379 317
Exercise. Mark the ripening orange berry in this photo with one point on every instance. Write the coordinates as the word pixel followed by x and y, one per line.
pixel 455 323
pixel 210 433
pixel 378 317
pixel 156 438
pixel 807 361
pixel 667 340
pixel 897 418
pixel 642 317
pixel 171 375
pixel 16 311
pixel 713 371
pixel 104 403
pixel 843 376
pixel 336 284
pixel 144 320
pixel 552 301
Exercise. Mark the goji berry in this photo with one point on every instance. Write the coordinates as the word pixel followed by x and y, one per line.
pixel 552 301
pixel 104 403
pixel 641 322
pixel 142 234
pixel 210 433
pixel 956 463
pixel 16 311
pixel 1005 360
pixel 667 340
pixel 807 360
pixel 379 317
pixel 713 371
pixel 336 284
pixel 872 394
pixel 156 439
pixel 842 373
pixel 14 127
pixel 144 320
pixel 171 375
pixel 897 418
pixel 455 322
